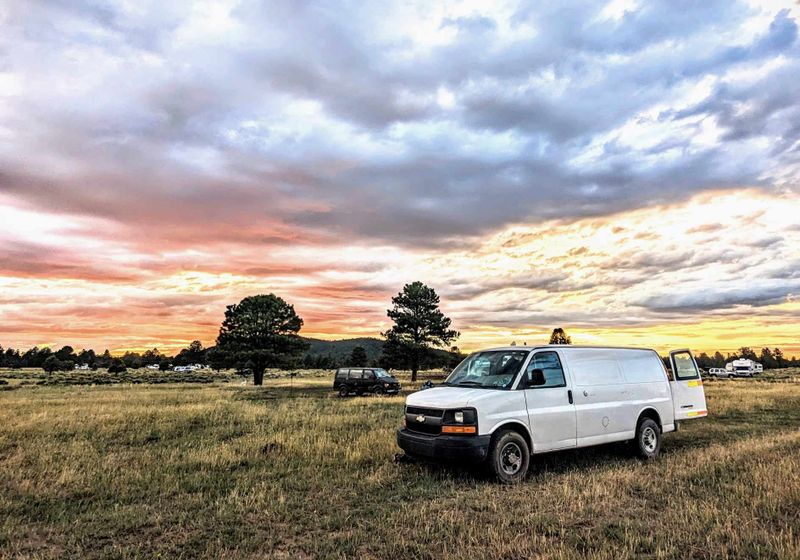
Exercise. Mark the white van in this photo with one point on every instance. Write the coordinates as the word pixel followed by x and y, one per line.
pixel 504 404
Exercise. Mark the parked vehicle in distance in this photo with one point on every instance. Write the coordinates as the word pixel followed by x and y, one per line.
pixel 744 368
pixel 502 405
pixel 364 380
pixel 719 372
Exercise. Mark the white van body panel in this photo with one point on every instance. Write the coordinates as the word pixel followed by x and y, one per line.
pixel 605 392
pixel 612 388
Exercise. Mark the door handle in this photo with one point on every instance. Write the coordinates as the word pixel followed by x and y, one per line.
pixel 586 393
pixel 569 395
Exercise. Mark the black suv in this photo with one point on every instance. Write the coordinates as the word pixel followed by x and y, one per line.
pixel 364 380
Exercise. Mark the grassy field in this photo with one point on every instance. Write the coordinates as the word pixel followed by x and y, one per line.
pixel 221 470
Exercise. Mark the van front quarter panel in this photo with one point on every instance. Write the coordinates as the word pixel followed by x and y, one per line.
pixel 496 408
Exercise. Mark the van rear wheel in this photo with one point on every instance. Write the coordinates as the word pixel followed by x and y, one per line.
pixel 509 457
pixel 344 391
pixel 648 439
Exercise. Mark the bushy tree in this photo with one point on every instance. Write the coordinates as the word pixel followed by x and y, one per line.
pixel 746 353
pixel 767 359
pixel 52 363
pixel 780 360
pixel 216 358
pixel 12 359
pixel 132 360
pixel 261 332
pixel 193 354
pixel 419 326
pixel 104 359
pixel 117 366
pixel 559 336
pixel 87 357
pixel 704 361
pixel 66 353
pixel 151 357
pixel 358 357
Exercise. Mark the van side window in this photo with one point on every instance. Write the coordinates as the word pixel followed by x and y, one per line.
pixel 685 366
pixel 369 374
pixel 341 374
pixel 550 365
pixel 355 373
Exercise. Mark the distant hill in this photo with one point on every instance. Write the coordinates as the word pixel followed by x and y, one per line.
pixel 336 353
pixel 340 350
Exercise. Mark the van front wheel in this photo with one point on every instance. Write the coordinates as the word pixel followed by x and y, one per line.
pixel 509 457
pixel 648 439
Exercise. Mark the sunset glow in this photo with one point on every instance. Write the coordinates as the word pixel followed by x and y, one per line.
pixel 636 184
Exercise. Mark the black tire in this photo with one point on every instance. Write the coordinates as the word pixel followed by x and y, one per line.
pixel 344 391
pixel 648 439
pixel 378 391
pixel 509 457
pixel 730 376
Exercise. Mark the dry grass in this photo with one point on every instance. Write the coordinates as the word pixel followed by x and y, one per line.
pixel 290 471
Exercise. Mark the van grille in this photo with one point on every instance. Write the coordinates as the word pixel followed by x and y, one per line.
pixel 435 412
pixel 433 420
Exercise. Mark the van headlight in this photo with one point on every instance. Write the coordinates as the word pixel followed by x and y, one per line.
pixel 461 416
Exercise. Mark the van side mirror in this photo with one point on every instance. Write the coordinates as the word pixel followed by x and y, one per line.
pixel 537 378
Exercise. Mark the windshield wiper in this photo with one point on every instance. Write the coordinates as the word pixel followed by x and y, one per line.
pixel 468 383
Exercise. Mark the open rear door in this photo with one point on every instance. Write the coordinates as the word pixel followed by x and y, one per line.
pixel 688 397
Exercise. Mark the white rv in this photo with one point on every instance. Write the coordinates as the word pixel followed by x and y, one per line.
pixel 744 368
pixel 502 405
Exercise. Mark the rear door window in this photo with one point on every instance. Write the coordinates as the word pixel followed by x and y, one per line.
pixel 684 366
pixel 356 373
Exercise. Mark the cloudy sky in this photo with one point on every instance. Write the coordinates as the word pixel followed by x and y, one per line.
pixel 628 171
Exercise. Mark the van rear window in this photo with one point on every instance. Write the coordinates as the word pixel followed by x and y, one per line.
pixel 684 366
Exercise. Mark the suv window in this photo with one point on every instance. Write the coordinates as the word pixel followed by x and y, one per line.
pixel 341 374
pixel 355 373
pixel 550 365
pixel 369 374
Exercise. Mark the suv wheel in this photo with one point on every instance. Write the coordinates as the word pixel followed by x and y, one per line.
pixel 378 390
pixel 344 391
pixel 648 439
pixel 509 457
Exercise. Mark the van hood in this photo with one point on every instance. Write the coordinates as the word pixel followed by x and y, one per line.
pixel 447 397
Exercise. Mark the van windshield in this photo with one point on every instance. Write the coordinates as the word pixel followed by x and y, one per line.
pixel 495 369
pixel 381 373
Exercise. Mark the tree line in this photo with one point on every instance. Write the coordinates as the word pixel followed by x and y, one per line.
pixel 262 332
pixel 66 358
pixel 770 358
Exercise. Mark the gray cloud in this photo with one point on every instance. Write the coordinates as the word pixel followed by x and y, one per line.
pixel 306 118
pixel 758 295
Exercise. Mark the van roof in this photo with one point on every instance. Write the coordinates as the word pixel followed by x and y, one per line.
pixel 538 346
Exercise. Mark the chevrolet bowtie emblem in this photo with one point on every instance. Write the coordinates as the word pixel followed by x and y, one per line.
pixel 421 418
